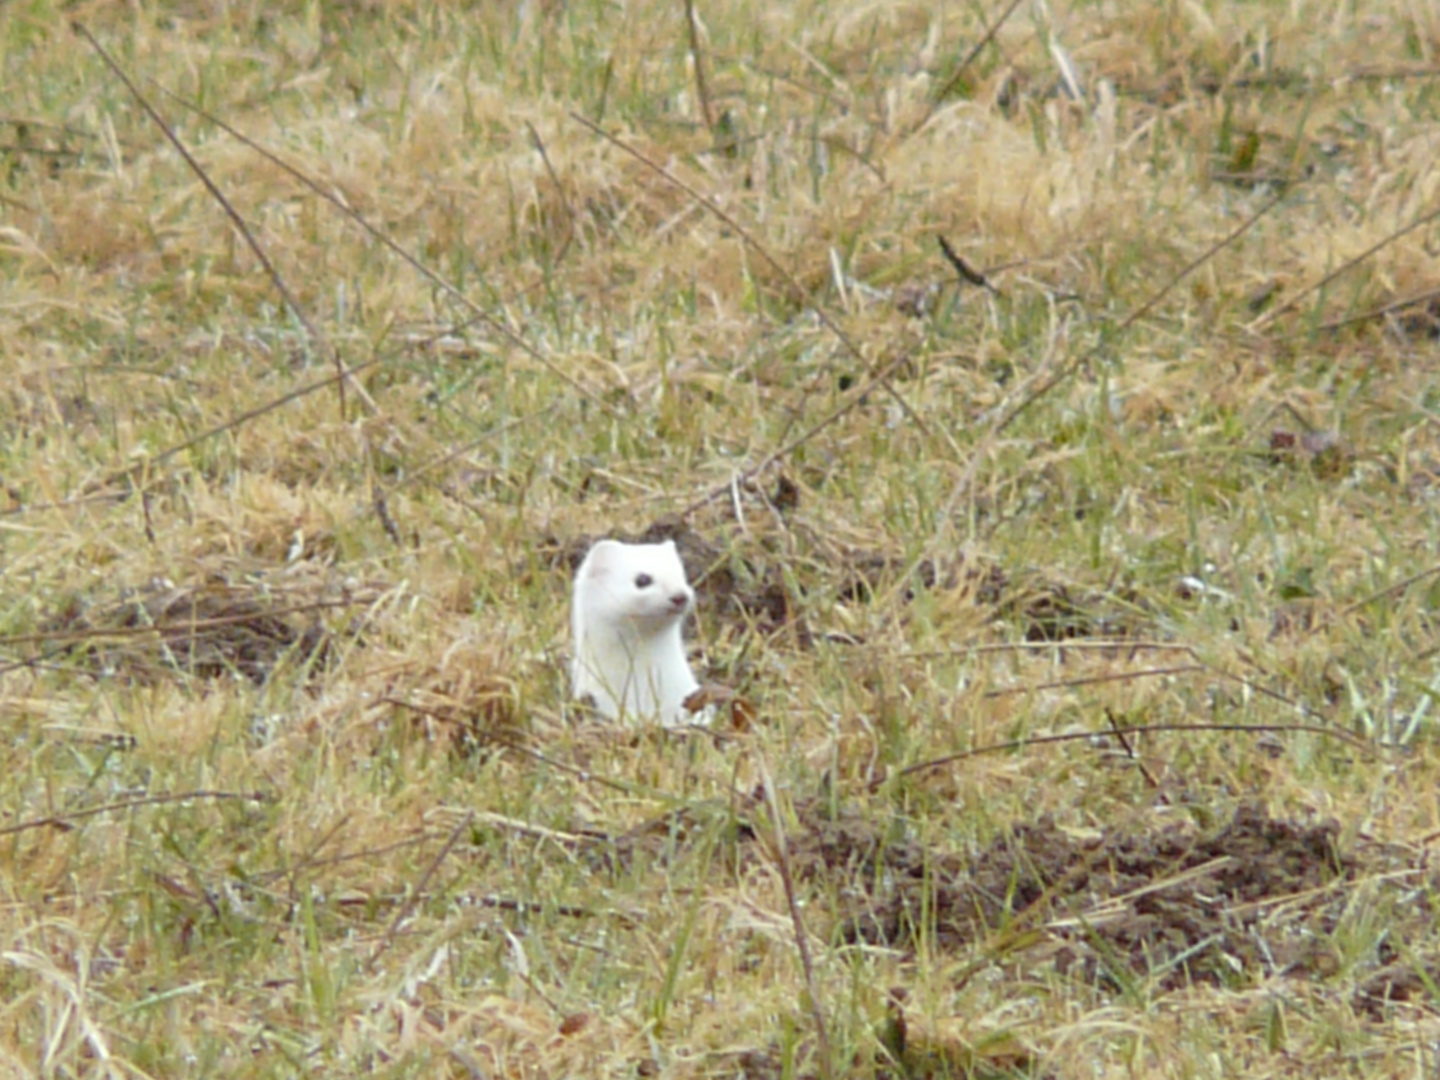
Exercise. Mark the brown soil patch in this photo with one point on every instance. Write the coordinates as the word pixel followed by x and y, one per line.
pixel 207 630
pixel 1254 898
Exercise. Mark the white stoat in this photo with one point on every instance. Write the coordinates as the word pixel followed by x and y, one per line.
pixel 629 604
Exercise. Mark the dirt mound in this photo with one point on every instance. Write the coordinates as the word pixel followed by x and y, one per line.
pixel 219 626
pixel 1255 897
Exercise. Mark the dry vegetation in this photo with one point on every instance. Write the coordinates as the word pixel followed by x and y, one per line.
pixel 291 786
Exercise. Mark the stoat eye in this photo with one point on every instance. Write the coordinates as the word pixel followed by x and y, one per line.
pixel 643 581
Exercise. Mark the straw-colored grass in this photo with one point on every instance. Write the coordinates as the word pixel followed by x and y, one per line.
pixel 291 784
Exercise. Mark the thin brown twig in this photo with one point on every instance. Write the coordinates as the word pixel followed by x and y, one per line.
pixel 380 501
pixel 369 853
pixel 317 339
pixel 497 903
pixel 537 832
pixel 64 129
pixel 967 272
pixel 1123 676
pixel 414 263
pixel 1120 733
pixel 120 494
pixel 760 249
pixel 1142 729
pixel 67 820
pixel 702 89
pixel 1305 85
pixel 584 775
pixel 533 907
pixel 1066 370
pixel 198 626
pixel 310 388
pixel 797 922
pixel 1265 691
pixel 411 475
pixel 1343 268
pixel 419 890
pixel 38 151
pixel 1390 590
pixel 37 663
pixel 1090 645
pixel 1424 71
pixel 294 870
pixel 857 395
pixel 1380 312
pixel 570 215
pixel 65 504
pixel 261 410
pixel 960 69
pixel 1199 666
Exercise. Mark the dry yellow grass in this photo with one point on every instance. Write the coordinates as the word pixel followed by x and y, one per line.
pixel 290 782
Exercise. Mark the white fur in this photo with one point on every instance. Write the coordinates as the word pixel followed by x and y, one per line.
pixel 629 604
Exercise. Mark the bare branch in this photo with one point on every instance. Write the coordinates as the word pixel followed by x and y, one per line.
pixel 702 90
pixel 760 249
pixel 419 890
pixel 67 821
pixel 317 339
pixel 797 922
pixel 1343 268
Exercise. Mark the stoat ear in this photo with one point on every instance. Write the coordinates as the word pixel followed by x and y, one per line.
pixel 601 560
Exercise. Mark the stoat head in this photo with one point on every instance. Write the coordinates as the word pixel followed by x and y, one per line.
pixel 640 587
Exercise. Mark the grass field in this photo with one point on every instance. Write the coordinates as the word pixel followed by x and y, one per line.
pixel 1074 588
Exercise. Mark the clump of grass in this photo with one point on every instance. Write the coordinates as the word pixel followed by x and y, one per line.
pixel 291 777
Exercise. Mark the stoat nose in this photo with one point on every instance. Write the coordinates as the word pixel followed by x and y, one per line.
pixel 680 600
